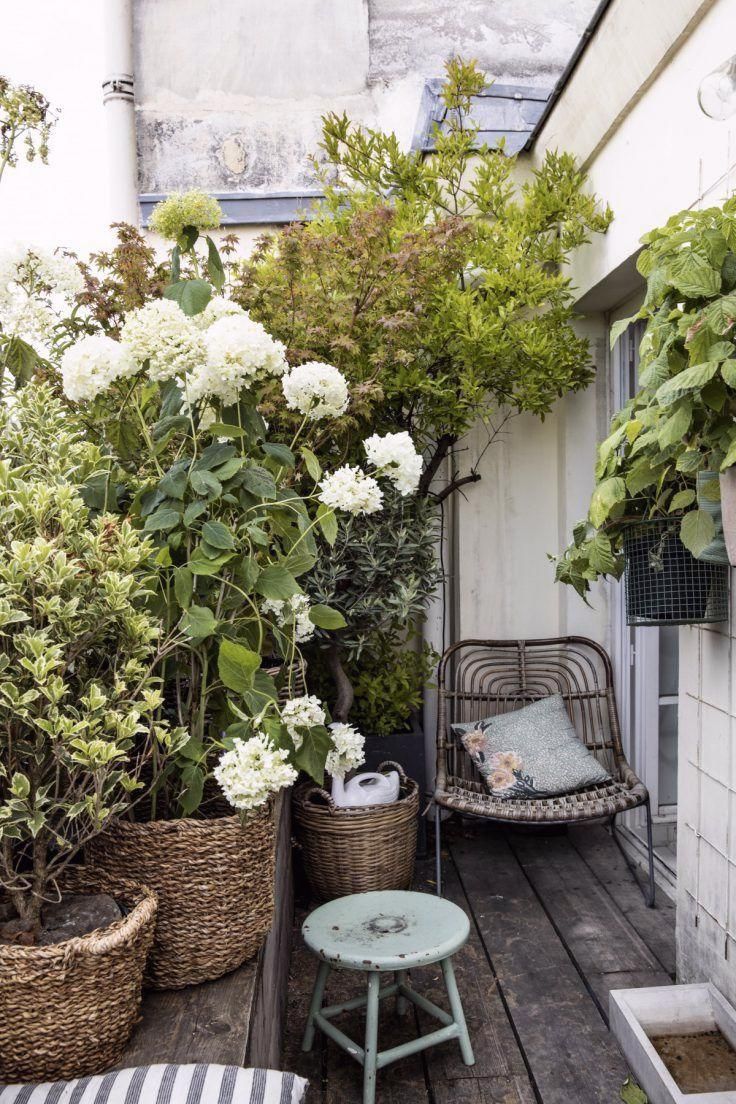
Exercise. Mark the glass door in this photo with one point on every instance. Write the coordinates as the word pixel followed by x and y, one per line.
pixel 646 661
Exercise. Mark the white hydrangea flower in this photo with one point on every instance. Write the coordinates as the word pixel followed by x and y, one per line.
pixel 161 333
pixel 37 289
pixel 292 611
pixel 350 489
pixel 304 712
pixel 217 308
pixel 348 751
pixel 394 456
pixel 91 364
pixel 238 350
pixel 316 389
pixel 252 771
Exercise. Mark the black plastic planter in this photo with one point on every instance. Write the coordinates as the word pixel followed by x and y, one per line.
pixel 665 584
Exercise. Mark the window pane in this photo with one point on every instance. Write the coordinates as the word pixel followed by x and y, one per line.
pixel 668 656
pixel 668 755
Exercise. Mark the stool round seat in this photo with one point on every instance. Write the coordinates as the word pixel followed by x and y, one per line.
pixel 386 930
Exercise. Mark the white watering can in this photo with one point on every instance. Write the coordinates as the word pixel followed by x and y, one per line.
pixel 368 788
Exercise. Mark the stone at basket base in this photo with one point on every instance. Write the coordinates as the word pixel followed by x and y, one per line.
pixel 78 915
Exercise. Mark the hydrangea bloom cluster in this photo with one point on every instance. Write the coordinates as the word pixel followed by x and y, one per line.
pixel 217 308
pixel 292 611
pixel 299 713
pixel 394 456
pixel 163 335
pixel 252 771
pixel 36 290
pixel 316 389
pixel 238 349
pixel 348 751
pixel 350 489
pixel 91 365
pixel 182 209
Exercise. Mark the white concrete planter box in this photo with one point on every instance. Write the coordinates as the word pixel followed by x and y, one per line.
pixel 637 1014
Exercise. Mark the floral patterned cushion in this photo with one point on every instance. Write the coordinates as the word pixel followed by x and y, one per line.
pixel 531 752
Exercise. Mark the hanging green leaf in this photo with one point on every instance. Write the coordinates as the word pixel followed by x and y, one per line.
pixel 218 535
pixel 697 530
pixel 606 495
pixel 324 617
pixel 312 464
pixel 215 268
pixel 191 295
pixel 276 583
pixel 327 523
pixel 198 622
pixel 237 665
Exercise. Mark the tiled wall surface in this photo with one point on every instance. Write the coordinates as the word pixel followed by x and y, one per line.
pixel 706 836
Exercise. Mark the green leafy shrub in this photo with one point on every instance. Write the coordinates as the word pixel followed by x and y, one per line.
pixel 682 419
pixel 78 646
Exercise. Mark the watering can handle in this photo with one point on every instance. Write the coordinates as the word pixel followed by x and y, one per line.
pixel 389 763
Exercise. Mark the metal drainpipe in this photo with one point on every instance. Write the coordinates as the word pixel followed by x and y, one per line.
pixel 117 93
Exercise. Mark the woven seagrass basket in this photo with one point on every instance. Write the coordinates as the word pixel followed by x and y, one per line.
pixel 356 849
pixel 214 883
pixel 68 1010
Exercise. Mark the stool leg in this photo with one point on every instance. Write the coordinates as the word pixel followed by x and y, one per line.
pixel 402 1003
pixel 458 1015
pixel 317 995
pixel 371 1039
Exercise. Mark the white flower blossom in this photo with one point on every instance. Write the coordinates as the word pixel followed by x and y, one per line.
pixel 91 364
pixel 394 456
pixel 292 611
pixel 252 771
pixel 316 389
pixel 304 712
pixel 350 489
pixel 238 351
pixel 348 750
pixel 162 334
pixel 217 308
pixel 37 289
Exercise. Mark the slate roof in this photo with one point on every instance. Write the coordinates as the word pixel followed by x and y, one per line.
pixel 509 111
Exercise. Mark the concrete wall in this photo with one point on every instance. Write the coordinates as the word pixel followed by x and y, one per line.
pixel 230 93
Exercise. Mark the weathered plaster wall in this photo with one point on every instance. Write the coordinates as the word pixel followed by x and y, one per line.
pixel 230 93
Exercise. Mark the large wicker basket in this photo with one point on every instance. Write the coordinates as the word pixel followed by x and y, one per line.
pixel 68 1010
pixel 214 881
pixel 356 849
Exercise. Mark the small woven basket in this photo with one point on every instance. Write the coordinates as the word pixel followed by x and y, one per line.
pixel 214 882
pixel 68 1010
pixel 356 849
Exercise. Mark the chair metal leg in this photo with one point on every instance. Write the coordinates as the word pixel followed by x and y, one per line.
pixel 371 1039
pixel 456 1007
pixel 649 898
pixel 648 892
pixel 317 995
pixel 438 848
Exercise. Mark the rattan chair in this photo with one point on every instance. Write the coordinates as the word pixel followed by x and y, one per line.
pixel 481 678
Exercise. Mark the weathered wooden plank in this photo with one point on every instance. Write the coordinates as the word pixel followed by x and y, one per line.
pixel 206 1023
pixel 596 934
pixel 265 1041
pixel 655 926
pixel 484 1090
pixel 569 1050
pixel 301 980
pixel 498 1059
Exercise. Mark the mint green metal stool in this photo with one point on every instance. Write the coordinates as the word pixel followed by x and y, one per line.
pixel 386 933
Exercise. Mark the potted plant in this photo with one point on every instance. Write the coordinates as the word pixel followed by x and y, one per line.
pixel 173 398
pixel 78 725
pixel 652 471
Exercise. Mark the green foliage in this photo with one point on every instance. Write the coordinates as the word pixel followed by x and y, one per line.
pixel 25 118
pixel 181 216
pixel 78 702
pixel 389 681
pixel 434 283
pixel 682 419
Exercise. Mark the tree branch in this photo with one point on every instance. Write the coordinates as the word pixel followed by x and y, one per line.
pixel 343 685
pixel 455 484
pixel 443 446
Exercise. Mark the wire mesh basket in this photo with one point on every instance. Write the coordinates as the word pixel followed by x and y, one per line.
pixel 665 584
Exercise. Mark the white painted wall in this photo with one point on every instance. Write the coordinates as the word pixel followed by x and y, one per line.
pixel 58 49
pixel 651 152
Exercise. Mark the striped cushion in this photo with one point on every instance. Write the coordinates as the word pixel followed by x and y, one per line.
pixel 195 1084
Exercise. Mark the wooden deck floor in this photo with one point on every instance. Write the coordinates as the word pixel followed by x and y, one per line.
pixel 557 920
